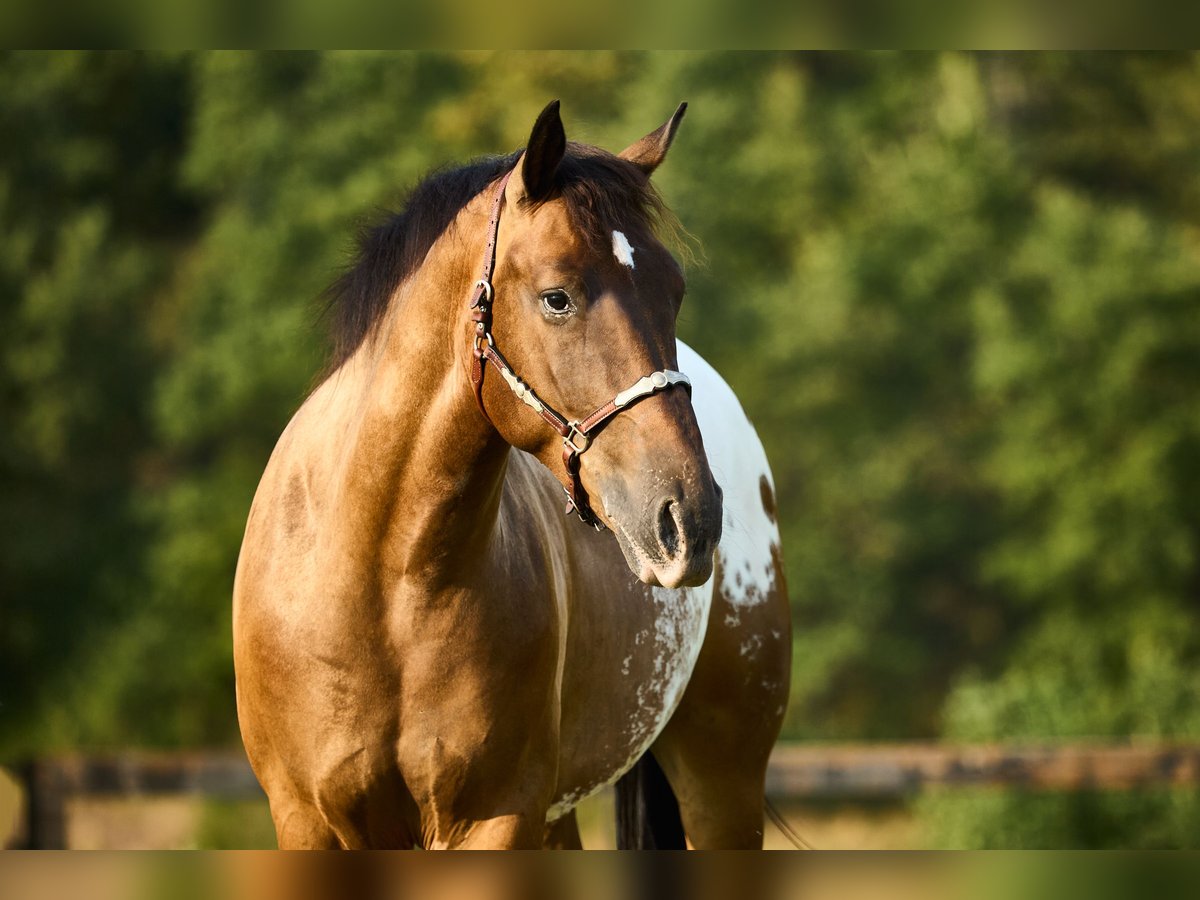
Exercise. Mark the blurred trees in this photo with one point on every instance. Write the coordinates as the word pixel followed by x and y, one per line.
pixel 92 212
pixel 957 294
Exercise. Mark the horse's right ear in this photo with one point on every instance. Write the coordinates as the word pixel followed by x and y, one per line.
pixel 651 150
pixel 534 176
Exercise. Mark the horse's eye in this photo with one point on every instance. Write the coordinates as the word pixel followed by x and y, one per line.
pixel 556 302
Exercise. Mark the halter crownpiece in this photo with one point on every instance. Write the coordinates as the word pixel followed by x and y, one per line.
pixel 577 435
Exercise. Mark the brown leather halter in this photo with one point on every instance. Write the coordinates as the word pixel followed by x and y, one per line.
pixel 577 435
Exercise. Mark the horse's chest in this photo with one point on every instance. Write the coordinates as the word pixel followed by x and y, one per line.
pixel 672 643
pixel 643 679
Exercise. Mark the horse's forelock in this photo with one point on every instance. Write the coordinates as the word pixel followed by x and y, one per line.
pixel 604 193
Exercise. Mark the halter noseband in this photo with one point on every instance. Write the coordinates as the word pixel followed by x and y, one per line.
pixel 577 435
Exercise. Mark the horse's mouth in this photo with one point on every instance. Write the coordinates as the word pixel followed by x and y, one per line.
pixel 636 558
pixel 656 568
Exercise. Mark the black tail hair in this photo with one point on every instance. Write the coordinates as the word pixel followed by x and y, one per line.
pixel 647 811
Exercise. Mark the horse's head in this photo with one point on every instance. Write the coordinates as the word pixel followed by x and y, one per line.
pixel 586 302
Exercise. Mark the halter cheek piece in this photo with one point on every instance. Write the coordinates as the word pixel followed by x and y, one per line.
pixel 577 435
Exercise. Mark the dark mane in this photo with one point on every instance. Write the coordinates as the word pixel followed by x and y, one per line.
pixel 600 191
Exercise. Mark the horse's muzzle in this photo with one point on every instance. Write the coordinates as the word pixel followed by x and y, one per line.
pixel 673 542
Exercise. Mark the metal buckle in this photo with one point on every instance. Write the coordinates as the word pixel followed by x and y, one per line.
pixel 576 439
pixel 479 337
pixel 488 291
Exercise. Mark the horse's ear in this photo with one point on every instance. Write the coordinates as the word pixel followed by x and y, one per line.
pixel 651 150
pixel 534 176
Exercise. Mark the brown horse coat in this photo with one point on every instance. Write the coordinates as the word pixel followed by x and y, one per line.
pixel 428 653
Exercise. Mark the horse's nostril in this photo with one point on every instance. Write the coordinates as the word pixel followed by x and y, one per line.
pixel 668 529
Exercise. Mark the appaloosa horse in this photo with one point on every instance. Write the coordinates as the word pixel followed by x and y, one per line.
pixel 428 652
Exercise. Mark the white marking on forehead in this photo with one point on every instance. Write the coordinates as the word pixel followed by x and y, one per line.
pixel 622 250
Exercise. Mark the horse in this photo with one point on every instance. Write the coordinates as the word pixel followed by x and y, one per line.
pixel 427 652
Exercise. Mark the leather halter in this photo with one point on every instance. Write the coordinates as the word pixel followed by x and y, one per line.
pixel 578 434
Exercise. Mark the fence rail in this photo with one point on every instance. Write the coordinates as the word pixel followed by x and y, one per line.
pixel 797 772
pixel 898 770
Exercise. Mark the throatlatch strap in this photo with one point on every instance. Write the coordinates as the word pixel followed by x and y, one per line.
pixel 484 293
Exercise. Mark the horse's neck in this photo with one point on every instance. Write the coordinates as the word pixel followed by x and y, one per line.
pixel 420 473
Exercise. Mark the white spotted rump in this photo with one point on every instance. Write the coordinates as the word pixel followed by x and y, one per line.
pixel 739 464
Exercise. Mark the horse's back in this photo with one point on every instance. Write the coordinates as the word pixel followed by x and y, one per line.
pixel 747 647
pixel 747 557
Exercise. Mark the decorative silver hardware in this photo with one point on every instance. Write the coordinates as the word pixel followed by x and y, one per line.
pixel 649 384
pixel 524 393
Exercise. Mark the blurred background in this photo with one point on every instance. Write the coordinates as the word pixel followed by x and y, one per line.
pixel 958 294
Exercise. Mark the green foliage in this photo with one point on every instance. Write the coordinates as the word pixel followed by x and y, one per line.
pixel 956 293
pixel 90 213
pixel 235 825
pixel 976 819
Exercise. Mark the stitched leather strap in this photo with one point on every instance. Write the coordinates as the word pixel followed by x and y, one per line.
pixel 582 432
pixel 524 392
pixel 483 294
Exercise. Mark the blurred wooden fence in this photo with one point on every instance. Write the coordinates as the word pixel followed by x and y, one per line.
pixel 798 772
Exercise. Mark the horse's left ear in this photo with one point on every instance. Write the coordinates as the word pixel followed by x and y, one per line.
pixel 651 150
pixel 534 176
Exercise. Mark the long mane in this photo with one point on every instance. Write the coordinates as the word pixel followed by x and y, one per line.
pixel 601 192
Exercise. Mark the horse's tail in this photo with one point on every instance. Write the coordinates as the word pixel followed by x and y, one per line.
pixel 647 811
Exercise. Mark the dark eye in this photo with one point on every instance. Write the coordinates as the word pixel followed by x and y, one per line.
pixel 556 302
